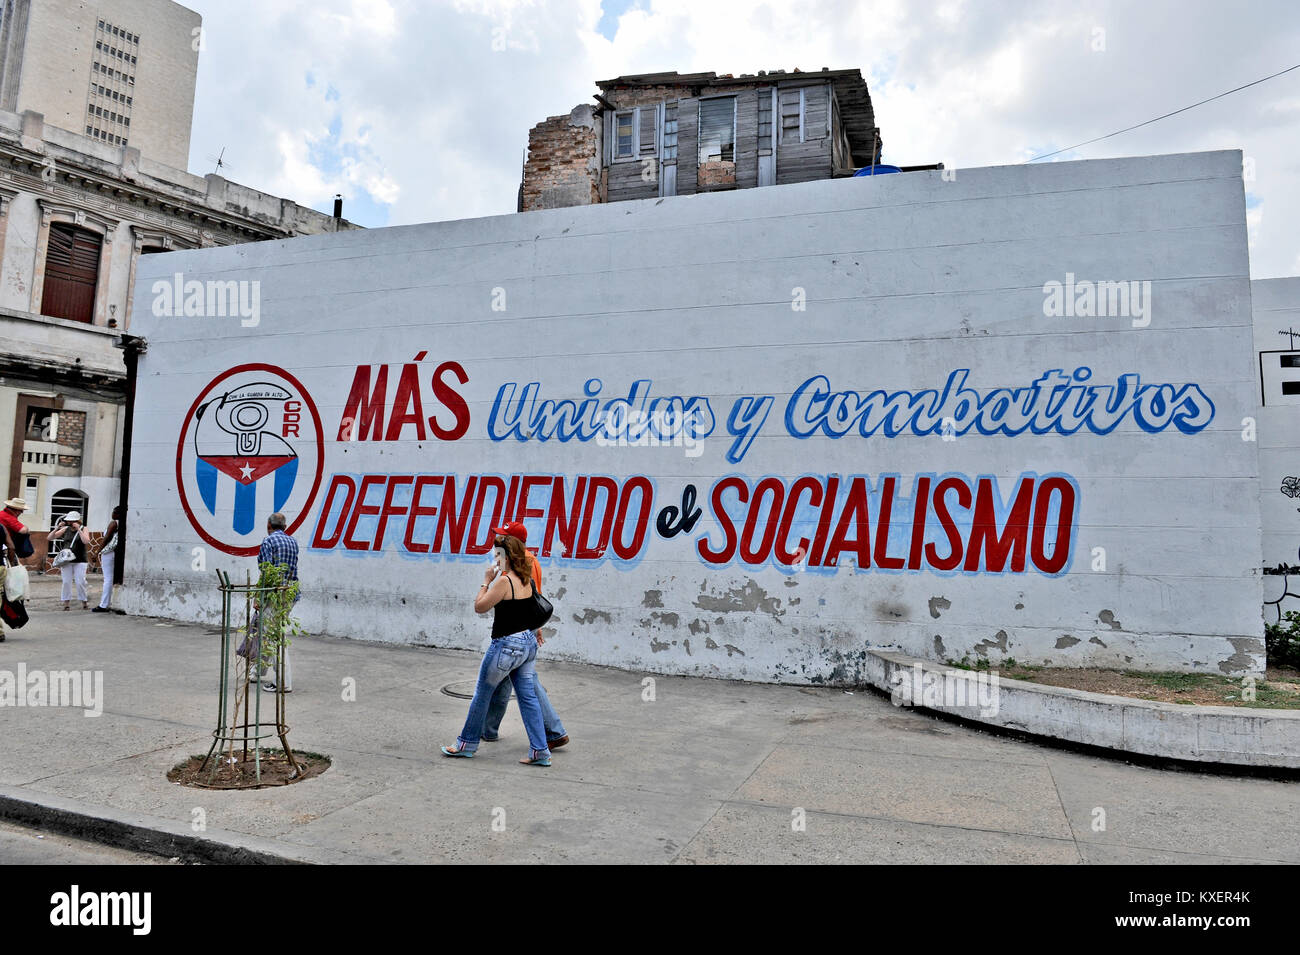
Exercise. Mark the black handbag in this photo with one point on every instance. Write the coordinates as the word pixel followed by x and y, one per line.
pixel 541 610
pixel 13 613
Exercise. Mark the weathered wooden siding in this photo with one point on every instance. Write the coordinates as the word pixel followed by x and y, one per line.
pixel 811 159
pixel 626 182
pixel 688 148
pixel 841 158
pixel 747 139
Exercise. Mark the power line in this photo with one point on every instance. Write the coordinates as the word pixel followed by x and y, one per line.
pixel 1165 116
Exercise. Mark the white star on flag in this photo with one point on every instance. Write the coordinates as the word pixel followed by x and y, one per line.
pixel 246 470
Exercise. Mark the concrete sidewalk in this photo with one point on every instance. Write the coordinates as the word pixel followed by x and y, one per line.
pixel 707 772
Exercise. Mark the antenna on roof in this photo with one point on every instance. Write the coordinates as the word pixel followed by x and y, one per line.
pixel 219 160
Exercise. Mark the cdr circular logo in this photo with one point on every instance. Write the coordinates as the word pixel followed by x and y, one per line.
pixel 251 445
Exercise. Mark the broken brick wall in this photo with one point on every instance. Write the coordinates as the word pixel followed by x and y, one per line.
pixel 563 165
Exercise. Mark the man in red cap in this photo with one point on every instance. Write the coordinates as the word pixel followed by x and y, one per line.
pixel 555 734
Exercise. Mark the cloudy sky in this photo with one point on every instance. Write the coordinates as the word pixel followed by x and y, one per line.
pixel 419 110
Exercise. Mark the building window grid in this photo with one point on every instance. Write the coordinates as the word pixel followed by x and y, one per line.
pixel 110 107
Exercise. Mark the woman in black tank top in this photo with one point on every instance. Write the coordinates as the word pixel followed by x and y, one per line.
pixel 507 591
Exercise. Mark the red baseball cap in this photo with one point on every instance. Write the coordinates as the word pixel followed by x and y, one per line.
pixel 513 529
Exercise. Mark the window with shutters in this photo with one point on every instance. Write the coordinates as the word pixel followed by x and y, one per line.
pixel 71 273
pixel 625 135
pixel 792 116
pixel 718 130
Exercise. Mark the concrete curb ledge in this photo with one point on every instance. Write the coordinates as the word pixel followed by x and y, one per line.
pixel 140 832
pixel 1221 737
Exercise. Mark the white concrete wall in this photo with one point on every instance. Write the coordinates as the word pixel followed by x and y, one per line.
pixel 22 227
pixel 1276 306
pixel 1277 313
pixel 904 281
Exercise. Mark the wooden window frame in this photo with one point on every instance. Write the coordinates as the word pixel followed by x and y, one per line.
pixel 103 226
pixel 699 125
pixel 803 117
pixel 615 155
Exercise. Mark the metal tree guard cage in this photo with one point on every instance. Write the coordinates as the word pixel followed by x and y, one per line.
pixel 265 618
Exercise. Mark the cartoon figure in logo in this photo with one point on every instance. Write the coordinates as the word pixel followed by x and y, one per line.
pixel 231 437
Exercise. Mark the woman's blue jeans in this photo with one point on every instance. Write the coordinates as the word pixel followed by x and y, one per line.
pixel 512 657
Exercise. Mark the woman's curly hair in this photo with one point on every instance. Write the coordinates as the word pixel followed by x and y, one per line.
pixel 517 556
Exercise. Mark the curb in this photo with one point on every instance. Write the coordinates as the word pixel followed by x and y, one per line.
pixel 139 832
pixel 1212 739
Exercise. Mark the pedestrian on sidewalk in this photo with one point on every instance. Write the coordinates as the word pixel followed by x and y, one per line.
pixel 9 516
pixel 8 563
pixel 16 540
pixel 508 592
pixel 71 535
pixel 108 558
pixel 281 550
pixel 555 734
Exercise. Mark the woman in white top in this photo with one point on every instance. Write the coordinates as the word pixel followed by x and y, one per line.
pixel 108 558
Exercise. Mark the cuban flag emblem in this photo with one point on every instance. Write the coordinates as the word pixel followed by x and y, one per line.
pixel 250 446
pixel 232 439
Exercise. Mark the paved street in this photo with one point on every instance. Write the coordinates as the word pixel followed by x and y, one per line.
pixel 706 772
pixel 22 845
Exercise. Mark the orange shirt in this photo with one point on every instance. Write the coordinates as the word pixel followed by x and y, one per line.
pixel 537 571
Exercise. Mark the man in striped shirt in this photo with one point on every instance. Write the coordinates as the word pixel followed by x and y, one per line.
pixel 282 550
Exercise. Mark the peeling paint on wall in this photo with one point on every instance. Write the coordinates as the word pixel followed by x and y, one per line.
pixel 999 642
pixel 937 604
pixel 1249 650
pixel 750 598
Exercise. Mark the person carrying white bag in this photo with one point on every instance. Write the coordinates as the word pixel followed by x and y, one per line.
pixel 13 586
pixel 73 539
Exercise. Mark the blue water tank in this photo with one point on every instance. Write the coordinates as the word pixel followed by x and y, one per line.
pixel 877 170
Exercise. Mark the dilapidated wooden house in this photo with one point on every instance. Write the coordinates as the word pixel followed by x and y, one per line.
pixel 668 134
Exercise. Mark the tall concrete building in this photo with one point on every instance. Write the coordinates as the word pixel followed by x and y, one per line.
pixel 120 71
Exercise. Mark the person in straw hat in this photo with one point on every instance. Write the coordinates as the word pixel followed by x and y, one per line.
pixel 9 517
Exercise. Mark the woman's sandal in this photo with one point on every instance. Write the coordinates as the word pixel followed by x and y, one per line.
pixel 537 761
pixel 458 750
